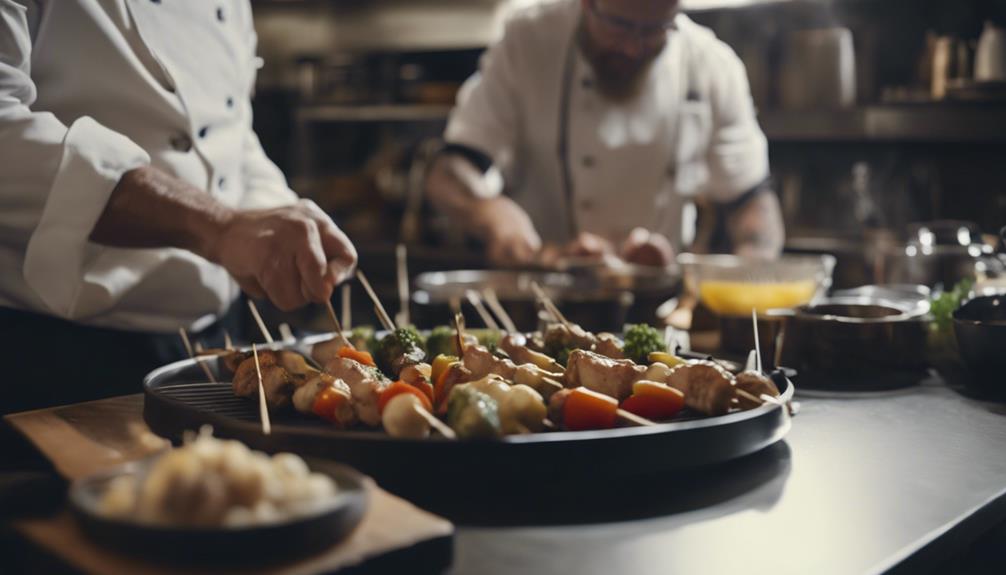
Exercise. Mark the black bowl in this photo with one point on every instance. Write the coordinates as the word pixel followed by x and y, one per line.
pixel 254 545
pixel 980 329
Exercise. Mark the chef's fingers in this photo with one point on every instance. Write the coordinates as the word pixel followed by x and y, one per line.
pixel 251 287
pixel 281 280
pixel 316 285
pixel 339 251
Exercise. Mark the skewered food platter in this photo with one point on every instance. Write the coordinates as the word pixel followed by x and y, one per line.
pixel 417 409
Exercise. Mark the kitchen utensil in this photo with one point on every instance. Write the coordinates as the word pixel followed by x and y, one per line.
pixel 297 536
pixel 176 399
pixel 980 331
pixel 818 70
pixel 855 343
pixel 733 285
pixel 990 56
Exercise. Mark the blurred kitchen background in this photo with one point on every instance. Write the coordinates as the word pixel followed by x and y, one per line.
pixel 878 113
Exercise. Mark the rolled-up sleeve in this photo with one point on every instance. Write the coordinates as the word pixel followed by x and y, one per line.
pixel 56 178
pixel 738 152
pixel 265 185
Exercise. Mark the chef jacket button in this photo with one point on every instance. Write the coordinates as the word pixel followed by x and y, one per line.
pixel 230 102
pixel 220 14
pixel 181 143
pixel 203 131
pixel 587 161
pixel 222 183
pixel 156 1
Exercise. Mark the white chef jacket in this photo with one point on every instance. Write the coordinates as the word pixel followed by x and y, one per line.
pixel 90 89
pixel 691 129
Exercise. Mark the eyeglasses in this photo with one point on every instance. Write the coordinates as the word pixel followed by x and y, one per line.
pixel 650 33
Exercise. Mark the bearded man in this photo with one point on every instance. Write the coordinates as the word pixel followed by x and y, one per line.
pixel 592 126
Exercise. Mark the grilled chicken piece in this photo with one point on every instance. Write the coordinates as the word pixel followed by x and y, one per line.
pixel 480 362
pixel 515 345
pixel 303 398
pixel 609 345
pixel 296 364
pixel 756 384
pixel 228 360
pixel 708 388
pixel 413 374
pixel 612 377
pixel 276 381
pixel 545 383
pixel 365 385
pixel 558 336
pixel 325 351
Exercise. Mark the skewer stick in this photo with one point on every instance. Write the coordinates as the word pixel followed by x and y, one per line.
pixel 285 333
pixel 741 393
pixel 258 320
pixel 200 360
pixel 489 295
pixel 338 326
pixel 263 407
pixel 228 344
pixel 347 309
pixel 633 419
pixel 401 266
pixel 435 423
pixel 459 333
pixel 754 321
pixel 550 305
pixel 476 301
pixel 382 315
pixel 199 347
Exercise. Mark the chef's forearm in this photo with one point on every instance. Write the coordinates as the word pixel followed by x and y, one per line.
pixel 150 208
pixel 454 194
pixel 756 226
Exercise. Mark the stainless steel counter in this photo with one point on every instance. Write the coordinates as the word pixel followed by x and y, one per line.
pixel 861 485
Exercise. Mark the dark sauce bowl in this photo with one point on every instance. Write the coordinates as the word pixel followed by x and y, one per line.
pixel 980 329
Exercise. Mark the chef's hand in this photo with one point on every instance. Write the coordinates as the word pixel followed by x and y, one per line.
pixel 507 230
pixel 292 255
pixel 588 245
pixel 647 248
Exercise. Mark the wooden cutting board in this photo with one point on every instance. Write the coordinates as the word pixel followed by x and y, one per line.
pixel 89 437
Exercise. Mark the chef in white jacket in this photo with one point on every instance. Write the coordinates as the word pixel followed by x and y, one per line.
pixel 135 197
pixel 593 125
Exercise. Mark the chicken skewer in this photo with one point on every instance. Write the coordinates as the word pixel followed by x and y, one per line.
pixel 262 405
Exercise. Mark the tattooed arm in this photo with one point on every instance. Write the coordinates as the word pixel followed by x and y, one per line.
pixel 755 226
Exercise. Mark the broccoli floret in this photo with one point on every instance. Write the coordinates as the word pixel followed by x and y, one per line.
pixel 398 349
pixel 441 341
pixel 362 337
pixel 488 338
pixel 641 340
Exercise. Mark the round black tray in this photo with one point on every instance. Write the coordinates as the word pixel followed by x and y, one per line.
pixel 178 398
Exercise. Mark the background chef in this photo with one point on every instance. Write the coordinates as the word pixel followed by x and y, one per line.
pixel 135 197
pixel 601 119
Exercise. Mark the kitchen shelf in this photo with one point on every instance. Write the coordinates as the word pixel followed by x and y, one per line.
pixel 314 113
pixel 930 123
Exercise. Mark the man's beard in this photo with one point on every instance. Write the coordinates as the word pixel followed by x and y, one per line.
pixel 618 77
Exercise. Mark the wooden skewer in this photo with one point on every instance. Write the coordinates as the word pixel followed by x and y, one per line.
pixel 285 333
pixel 347 309
pixel 198 347
pixel 435 423
pixel 476 301
pixel 228 344
pixel 741 393
pixel 633 419
pixel 382 315
pixel 200 360
pixel 401 266
pixel 258 320
pixel 489 295
pixel 338 326
pixel 550 306
pixel 459 333
pixel 262 405
pixel 754 321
